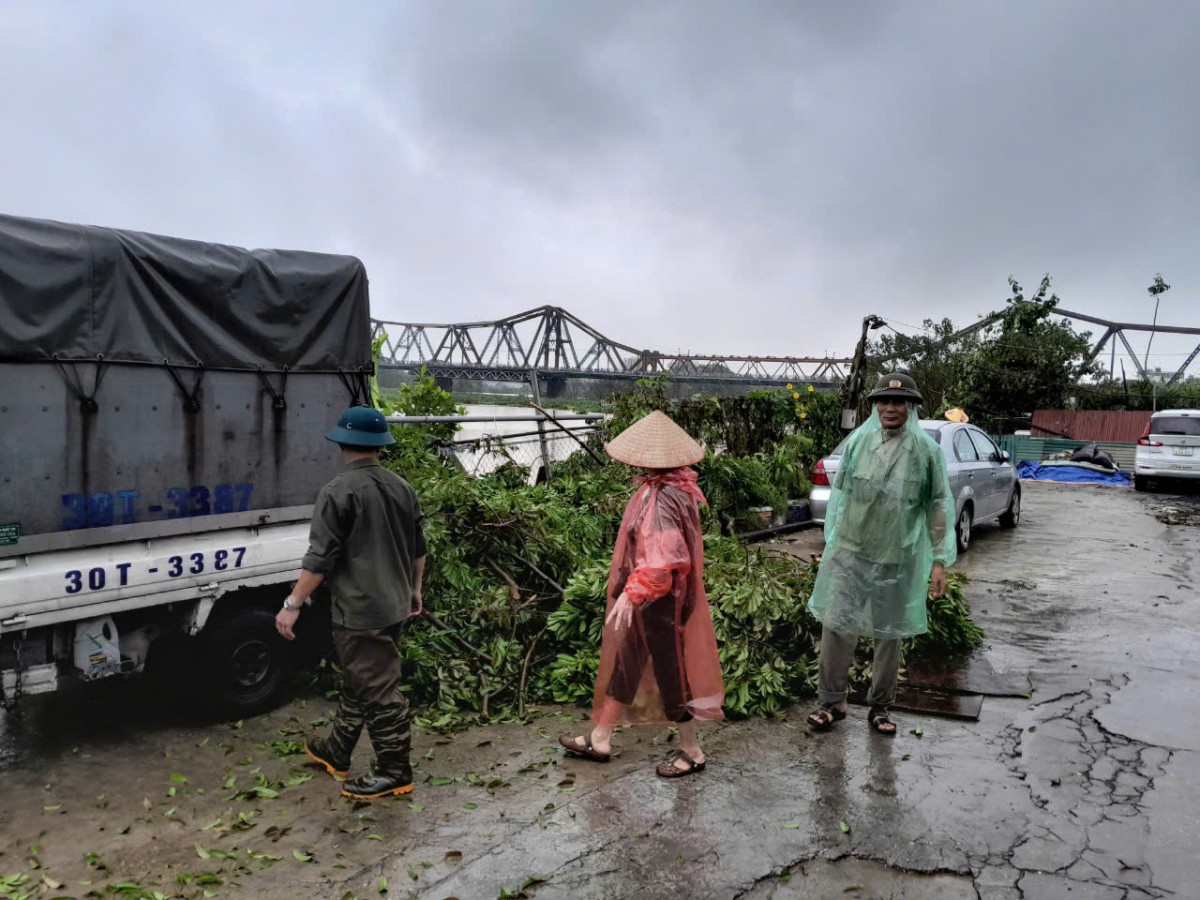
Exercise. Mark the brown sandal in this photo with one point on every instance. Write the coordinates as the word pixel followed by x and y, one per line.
pixel 670 770
pixel 824 716
pixel 587 751
pixel 878 719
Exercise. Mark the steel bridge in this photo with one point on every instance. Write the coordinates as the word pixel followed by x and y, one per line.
pixel 554 344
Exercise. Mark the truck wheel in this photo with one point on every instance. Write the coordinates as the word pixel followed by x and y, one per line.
pixel 1011 518
pixel 963 529
pixel 1140 484
pixel 245 662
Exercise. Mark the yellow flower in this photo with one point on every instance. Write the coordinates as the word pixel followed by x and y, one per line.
pixel 811 389
pixel 789 387
pixel 795 396
pixel 804 415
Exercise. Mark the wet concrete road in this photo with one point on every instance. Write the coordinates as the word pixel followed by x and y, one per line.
pixel 1089 789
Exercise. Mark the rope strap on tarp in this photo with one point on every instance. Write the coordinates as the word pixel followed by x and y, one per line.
pixel 278 398
pixel 87 401
pixel 357 386
pixel 191 399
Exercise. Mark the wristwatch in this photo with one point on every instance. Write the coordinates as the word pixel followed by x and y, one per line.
pixel 287 604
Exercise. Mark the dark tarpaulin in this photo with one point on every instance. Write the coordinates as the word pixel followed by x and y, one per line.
pixel 79 291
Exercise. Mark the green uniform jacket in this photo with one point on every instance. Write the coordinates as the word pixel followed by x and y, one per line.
pixel 366 537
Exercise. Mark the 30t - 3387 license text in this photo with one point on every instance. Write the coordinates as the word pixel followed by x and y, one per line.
pixel 117 575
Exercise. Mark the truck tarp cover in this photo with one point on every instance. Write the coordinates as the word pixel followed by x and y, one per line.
pixel 79 292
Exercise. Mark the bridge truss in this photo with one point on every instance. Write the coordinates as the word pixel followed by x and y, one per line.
pixel 1113 332
pixel 552 342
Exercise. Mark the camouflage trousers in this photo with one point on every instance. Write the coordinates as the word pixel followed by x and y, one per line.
pixel 371 698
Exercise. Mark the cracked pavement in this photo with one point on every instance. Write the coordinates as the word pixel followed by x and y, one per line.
pixel 1088 789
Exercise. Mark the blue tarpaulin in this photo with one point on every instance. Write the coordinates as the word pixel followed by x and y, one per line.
pixel 1071 474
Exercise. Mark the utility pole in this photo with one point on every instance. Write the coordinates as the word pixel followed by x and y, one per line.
pixel 853 387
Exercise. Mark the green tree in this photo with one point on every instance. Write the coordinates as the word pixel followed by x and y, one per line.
pixel 935 360
pixel 1024 362
pixel 1156 290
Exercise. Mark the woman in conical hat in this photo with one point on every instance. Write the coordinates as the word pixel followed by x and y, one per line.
pixel 658 655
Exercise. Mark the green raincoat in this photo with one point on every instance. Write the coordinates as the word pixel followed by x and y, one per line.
pixel 890 518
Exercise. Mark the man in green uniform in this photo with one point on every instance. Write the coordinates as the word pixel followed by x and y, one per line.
pixel 889 538
pixel 368 545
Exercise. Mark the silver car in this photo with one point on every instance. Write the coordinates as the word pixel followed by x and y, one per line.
pixel 982 478
pixel 1169 449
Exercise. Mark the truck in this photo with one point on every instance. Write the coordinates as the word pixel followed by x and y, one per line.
pixel 163 405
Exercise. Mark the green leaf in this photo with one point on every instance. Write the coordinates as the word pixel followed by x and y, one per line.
pixel 441 781
pixel 302 856
pixel 382 886
pixel 791 824
pixel 181 779
pixel 845 828
pixel 470 806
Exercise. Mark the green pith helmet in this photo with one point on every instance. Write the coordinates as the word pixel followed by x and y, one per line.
pixel 361 426
pixel 897 384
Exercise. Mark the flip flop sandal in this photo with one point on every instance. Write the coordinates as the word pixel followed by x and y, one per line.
pixel 587 751
pixel 877 718
pixel 817 720
pixel 670 770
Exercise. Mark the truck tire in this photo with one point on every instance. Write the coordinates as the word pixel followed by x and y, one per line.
pixel 962 529
pixel 1140 483
pixel 244 661
pixel 1011 517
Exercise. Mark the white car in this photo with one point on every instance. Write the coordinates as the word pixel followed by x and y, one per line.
pixel 1170 448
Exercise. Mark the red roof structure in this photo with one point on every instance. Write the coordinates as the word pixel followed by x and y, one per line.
pixel 1091 425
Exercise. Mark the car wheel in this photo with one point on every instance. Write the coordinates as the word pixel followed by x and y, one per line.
pixel 1140 483
pixel 244 661
pixel 963 529
pixel 1011 518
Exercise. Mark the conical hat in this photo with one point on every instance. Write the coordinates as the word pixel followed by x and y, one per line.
pixel 655 442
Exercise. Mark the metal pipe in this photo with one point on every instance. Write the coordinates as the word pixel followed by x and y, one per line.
pixel 509 436
pixel 527 417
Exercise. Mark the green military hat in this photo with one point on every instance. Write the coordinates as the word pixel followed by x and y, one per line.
pixel 361 426
pixel 897 384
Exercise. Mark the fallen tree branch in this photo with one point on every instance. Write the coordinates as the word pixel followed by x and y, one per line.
pixel 513 589
pixel 550 581
pixel 525 676
pixel 442 626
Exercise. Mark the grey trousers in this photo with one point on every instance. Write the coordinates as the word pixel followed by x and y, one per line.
pixel 837 653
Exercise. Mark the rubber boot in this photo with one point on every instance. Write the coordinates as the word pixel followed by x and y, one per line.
pixel 389 731
pixel 334 752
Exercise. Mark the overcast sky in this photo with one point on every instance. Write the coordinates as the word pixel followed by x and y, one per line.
pixel 748 177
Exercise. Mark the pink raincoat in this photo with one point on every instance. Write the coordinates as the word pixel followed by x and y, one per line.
pixel 664 667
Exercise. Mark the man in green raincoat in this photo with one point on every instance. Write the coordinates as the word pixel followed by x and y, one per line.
pixel 889 536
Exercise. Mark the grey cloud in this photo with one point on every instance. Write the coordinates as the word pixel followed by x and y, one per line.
pixel 699 175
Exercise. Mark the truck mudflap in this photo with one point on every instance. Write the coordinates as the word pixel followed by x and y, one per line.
pixel 65 586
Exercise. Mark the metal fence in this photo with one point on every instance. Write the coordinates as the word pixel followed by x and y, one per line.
pixel 1022 448
pixel 485 455
pixel 534 442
